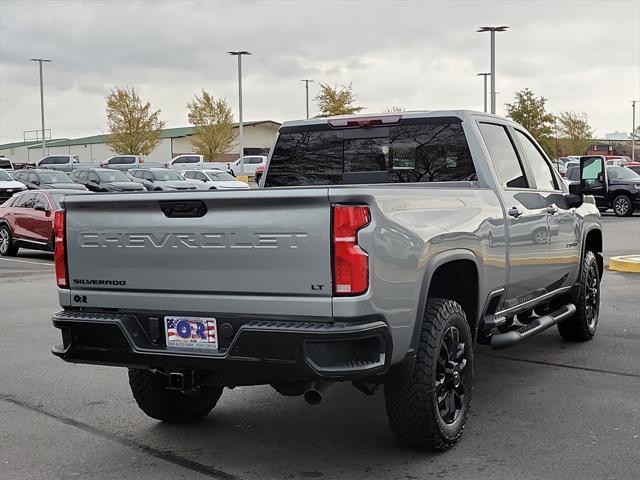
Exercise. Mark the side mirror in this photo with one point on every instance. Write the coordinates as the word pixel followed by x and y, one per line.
pixel 593 175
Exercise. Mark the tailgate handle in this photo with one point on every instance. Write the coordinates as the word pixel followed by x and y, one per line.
pixel 183 209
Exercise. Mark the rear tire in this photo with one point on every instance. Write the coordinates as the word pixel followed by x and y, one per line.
pixel 581 327
pixel 7 247
pixel 429 411
pixel 171 406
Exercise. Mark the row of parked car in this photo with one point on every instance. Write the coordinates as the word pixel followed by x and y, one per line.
pixel 108 180
pixel 29 197
pixel 68 163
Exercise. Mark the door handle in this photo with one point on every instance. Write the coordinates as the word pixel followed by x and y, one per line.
pixel 552 209
pixel 514 212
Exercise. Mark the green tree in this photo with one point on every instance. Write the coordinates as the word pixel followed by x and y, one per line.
pixel 636 134
pixel 134 127
pixel 336 100
pixel 213 120
pixel 575 133
pixel 530 112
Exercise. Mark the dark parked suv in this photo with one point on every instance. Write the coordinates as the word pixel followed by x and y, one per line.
pixel 37 179
pixel 623 195
pixel 106 180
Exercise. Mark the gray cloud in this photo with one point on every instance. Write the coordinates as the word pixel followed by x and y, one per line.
pixel 419 55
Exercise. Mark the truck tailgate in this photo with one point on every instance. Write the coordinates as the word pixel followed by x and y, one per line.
pixel 224 243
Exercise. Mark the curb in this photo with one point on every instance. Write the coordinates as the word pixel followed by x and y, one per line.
pixel 625 263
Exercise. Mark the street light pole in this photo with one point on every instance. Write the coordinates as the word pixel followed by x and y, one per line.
pixel 485 75
pixel 44 142
pixel 239 54
pixel 493 31
pixel 306 84
pixel 633 132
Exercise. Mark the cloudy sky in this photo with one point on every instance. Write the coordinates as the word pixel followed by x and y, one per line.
pixel 581 55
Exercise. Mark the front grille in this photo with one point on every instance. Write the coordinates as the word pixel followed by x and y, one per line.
pixel 7 194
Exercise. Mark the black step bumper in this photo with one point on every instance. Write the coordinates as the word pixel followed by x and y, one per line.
pixel 262 351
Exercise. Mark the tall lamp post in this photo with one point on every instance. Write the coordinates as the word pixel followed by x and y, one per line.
pixel 485 75
pixel 633 131
pixel 239 54
pixel 44 142
pixel 493 31
pixel 306 85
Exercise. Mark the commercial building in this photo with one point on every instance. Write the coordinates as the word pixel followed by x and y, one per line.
pixel 258 139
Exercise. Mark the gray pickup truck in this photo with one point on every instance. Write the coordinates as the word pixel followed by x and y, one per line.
pixel 379 250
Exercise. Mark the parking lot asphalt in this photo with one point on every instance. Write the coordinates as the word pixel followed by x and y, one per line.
pixel 544 410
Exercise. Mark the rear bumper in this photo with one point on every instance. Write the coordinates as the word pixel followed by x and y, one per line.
pixel 254 352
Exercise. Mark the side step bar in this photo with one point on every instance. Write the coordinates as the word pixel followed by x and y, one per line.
pixel 509 339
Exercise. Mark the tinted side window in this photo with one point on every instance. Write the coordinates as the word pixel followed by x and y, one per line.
pixel 26 200
pixel 540 168
pixel 503 155
pixel 40 200
pixel 187 160
pixel 47 161
pixel 33 178
pixel 136 173
pixel 148 176
pixel 61 160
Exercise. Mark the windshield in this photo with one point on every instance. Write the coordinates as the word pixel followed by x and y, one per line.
pixel 54 177
pixel 113 176
pixel 162 175
pixel 5 177
pixel 616 173
pixel 410 151
pixel 220 176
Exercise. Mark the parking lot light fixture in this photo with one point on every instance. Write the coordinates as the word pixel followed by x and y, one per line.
pixel 306 84
pixel 633 131
pixel 44 142
pixel 493 31
pixel 239 54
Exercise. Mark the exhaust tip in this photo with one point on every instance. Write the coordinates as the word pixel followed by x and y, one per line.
pixel 313 397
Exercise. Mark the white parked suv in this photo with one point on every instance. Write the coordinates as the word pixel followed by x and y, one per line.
pixel 122 162
pixel 63 163
pixel 182 162
pixel 214 180
pixel 251 162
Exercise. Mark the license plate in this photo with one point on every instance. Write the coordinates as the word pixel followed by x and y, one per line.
pixel 191 332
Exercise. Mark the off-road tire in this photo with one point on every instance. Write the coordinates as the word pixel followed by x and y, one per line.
pixel 171 406
pixel 581 327
pixel 618 206
pixel 412 405
pixel 7 247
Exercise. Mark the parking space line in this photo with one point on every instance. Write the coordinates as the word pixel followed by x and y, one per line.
pixel 154 452
pixel 561 365
pixel 27 261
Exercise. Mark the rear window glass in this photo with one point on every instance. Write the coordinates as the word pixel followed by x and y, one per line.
pixel 54 177
pixel 5 163
pixel 187 160
pixel 122 161
pixel 408 152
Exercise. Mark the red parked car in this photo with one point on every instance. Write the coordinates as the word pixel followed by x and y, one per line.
pixel 259 172
pixel 26 220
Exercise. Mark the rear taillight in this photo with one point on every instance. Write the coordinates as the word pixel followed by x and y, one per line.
pixel 350 262
pixel 60 255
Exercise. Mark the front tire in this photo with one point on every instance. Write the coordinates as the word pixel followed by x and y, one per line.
pixel 150 392
pixel 7 247
pixel 429 411
pixel 622 206
pixel 581 327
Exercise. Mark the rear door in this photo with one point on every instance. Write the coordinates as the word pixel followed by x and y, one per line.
pixel 22 210
pixel 258 244
pixel 527 227
pixel 564 227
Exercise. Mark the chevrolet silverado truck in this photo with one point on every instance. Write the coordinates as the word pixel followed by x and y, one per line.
pixel 379 250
